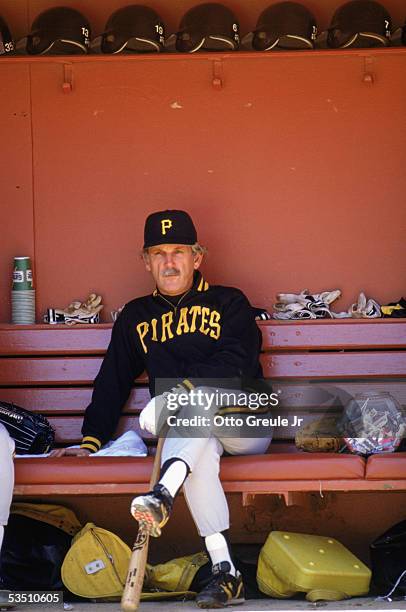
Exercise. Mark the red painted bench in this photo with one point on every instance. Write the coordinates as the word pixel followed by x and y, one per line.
pixel 50 369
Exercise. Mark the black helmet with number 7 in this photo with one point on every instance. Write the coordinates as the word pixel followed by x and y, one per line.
pixel 209 27
pixel 57 31
pixel 134 28
pixel 360 23
pixel 6 40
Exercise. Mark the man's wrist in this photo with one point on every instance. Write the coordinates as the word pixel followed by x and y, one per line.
pixel 91 444
pixel 187 384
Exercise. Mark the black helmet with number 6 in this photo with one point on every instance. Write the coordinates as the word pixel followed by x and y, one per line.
pixel 284 25
pixel 209 27
pixel 131 29
pixel 6 40
pixel 57 31
pixel 360 23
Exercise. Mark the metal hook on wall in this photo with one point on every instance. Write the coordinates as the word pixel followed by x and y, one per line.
pixel 368 75
pixel 67 83
pixel 217 74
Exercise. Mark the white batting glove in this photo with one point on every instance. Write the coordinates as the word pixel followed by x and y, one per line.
pixel 150 414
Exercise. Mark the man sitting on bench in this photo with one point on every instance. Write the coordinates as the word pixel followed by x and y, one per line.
pixel 196 333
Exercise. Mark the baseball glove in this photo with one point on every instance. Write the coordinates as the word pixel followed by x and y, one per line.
pixel 32 433
pixel 320 436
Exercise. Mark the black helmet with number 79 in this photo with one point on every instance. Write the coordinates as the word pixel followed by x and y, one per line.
pixel 57 31
pixel 209 27
pixel 131 29
pixel 6 40
pixel 360 23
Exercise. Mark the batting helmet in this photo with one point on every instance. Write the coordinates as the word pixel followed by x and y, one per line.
pixel 404 34
pixel 360 23
pixel 6 40
pixel 285 25
pixel 209 27
pixel 57 31
pixel 130 29
pixel 398 36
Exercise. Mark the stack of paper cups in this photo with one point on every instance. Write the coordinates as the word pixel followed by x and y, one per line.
pixel 22 292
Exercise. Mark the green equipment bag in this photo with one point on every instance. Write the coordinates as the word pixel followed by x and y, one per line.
pixel 319 566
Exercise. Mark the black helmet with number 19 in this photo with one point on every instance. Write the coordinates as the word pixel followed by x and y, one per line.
pixel 57 31
pixel 6 40
pixel 134 28
pixel 209 27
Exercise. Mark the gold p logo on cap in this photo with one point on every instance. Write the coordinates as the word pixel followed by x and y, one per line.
pixel 165 224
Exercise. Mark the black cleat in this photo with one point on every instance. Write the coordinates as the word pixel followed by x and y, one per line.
pixel 223 589
pixel 152 510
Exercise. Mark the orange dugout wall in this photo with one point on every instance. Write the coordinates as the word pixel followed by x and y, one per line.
pixel 293 170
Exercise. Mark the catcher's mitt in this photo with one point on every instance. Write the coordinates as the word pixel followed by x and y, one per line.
pixel 320 436
pixel 32 433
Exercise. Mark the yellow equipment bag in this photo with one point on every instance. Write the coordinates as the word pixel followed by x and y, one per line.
pixel 53 514
pixel 319 566
pixel 96 564
pixel 173 577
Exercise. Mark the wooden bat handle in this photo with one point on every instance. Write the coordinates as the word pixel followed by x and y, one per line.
pixel 136 570
pixel 157 463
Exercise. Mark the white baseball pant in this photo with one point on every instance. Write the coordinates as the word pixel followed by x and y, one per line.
pixel 6 477
pixel 203 491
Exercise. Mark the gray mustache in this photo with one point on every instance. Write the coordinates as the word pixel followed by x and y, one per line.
pixel 171 272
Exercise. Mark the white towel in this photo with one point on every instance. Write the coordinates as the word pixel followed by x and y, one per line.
pixel 130 444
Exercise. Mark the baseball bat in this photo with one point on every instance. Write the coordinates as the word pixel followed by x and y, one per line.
pixel 136 570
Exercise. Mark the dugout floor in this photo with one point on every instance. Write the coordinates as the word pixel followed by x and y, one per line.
pixel 358 603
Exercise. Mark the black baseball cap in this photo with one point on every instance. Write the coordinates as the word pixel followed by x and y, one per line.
pixel 169 227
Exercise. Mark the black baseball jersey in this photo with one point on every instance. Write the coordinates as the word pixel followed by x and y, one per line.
pixel 208 333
